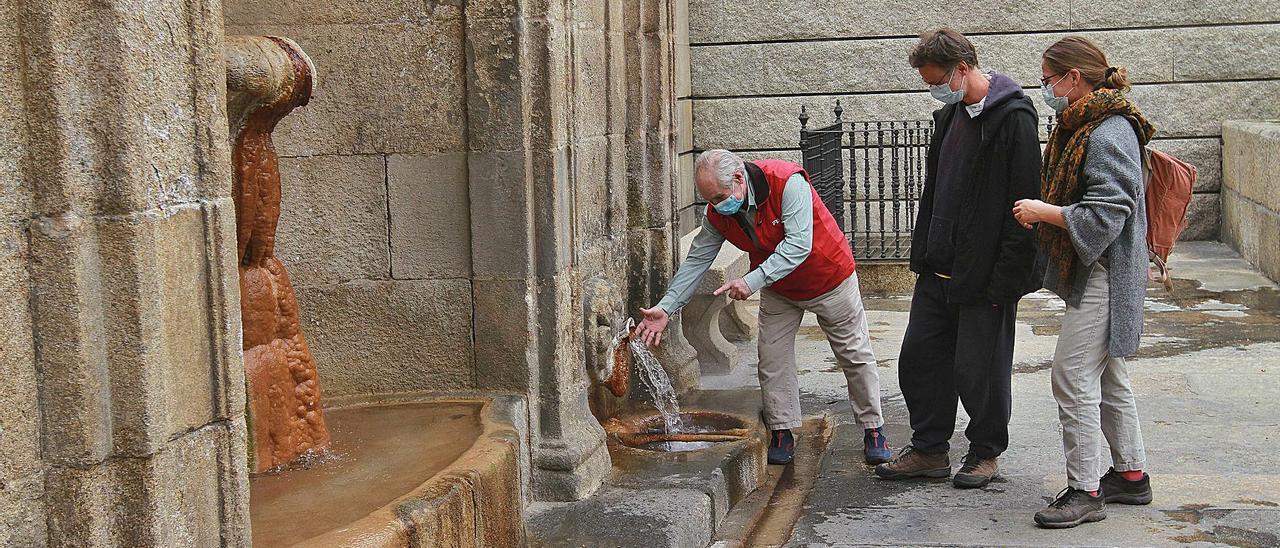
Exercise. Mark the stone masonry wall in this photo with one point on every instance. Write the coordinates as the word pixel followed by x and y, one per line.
pixel 375 223
pixel 1251 192
pixel 754 63
pixel 121 378
pixel 477 193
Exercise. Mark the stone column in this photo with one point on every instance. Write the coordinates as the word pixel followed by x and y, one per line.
pixel 652 172
pixel 122 417
pixel 527 313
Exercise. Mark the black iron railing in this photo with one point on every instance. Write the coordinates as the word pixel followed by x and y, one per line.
pixel 883 162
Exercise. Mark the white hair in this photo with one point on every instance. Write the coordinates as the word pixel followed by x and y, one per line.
pixel 723 163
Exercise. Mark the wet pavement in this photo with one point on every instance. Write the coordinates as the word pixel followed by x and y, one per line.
pixel 1207 380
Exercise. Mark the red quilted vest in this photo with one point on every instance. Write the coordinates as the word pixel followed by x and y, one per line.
pixel 830 261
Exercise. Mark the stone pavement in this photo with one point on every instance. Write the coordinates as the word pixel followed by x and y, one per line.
pixel 1208 385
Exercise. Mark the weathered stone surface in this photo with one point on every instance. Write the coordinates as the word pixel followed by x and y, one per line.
pixel 430 216
pixel 373 337
pixel 1197 110
pixel 14 195
pixel 791 155
pixel 173 498
pixel 21 476
pixel 683 69
pixel 1142 13
pixel 226 330
pixel 368 97
pixel 1203 218
pixel 773 123
pixel 88 167
pixel 19 433
pixel 719 123
pixel 824 67
pixel 1250 199
pixel 333 219
pixel 495 87
pixel 501 236
pixel 241 13
pixel 1205 154
pixel 1251 161
pixel 1222 53
pixel 712 21
pixel 667 517
pixel 119 352
pixel 686 189
pixel 593 187
pixel 504 327
pixel 684 126
pixel 1250 229
pixel 591 83
pixel 553 212
pixel 22 511
pixel 618 74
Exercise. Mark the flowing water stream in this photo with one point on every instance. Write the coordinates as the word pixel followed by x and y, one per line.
pixel 659 385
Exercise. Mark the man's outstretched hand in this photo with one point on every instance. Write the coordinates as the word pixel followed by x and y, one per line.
pixel 738 290
pixel 651 328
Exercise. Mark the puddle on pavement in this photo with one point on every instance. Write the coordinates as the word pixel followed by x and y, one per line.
pixel 385 452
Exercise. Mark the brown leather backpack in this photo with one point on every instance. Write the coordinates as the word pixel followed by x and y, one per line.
pixel 1169 183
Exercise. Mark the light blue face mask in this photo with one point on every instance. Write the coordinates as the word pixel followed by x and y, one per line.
pixel 944 93
pixel 1058 104
pixel 729 205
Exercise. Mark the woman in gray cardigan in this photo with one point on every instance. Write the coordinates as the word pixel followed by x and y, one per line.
pixel 1092 232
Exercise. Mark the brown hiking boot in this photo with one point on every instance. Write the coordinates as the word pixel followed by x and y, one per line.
pixel 975 472
pixel 913 464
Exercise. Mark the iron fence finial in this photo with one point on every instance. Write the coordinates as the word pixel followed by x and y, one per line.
pixel 839 110
pixel 804 117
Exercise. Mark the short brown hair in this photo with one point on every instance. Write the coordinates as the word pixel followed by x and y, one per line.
pixel 945 48
pixel 1080 53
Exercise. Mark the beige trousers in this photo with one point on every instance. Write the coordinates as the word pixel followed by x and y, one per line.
pixel 1093 393
pixel 844 321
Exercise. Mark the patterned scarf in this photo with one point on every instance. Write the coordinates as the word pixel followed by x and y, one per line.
pixel 1062 176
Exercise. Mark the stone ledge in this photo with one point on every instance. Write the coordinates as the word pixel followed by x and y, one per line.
pixel 1250 229
pixel 1251 161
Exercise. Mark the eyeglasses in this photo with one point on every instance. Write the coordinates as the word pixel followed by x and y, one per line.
pixel 1045 81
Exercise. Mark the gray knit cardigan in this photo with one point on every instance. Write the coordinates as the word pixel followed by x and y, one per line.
pixel 1110 223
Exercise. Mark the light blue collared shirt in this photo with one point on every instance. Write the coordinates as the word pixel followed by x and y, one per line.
pixel 797 221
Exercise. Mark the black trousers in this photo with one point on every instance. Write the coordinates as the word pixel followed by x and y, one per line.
pixel 952 352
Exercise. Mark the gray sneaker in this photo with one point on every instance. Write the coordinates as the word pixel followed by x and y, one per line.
pixel 1072 508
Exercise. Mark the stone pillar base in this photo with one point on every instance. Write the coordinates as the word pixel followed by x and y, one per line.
pixel 571 468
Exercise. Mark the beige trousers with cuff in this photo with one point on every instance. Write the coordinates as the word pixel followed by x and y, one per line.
pixel 844 321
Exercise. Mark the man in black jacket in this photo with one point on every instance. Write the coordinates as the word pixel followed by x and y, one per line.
pixel 974 262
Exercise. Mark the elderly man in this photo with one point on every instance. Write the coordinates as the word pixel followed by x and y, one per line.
pixel 801 262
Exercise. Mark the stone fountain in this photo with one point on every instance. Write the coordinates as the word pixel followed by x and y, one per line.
pixel 413 469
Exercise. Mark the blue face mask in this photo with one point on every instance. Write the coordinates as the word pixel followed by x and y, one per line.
pixel 1058 104
pixel 729 205
pixel 944 93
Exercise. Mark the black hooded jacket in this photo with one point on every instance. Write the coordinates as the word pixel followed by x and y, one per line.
pixel 993 254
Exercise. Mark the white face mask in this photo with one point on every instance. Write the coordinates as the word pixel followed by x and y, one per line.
pixel 944 93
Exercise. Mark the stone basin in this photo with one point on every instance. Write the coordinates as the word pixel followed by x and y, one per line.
pixel 702 430
pixel 428 473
